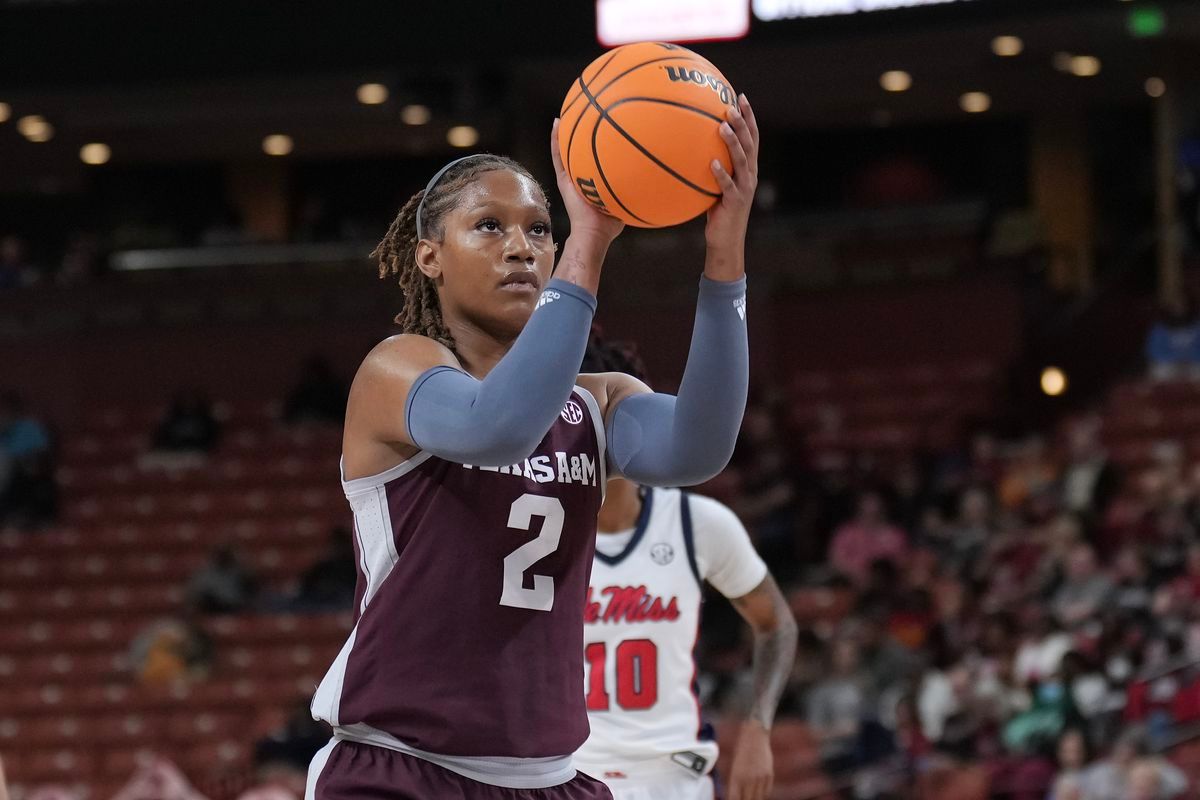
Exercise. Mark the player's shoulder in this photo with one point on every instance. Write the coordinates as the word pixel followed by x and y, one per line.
pixel 407 352
pixel 708 510
pixel 409 346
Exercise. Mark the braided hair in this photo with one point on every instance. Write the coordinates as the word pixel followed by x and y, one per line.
pixel 421 311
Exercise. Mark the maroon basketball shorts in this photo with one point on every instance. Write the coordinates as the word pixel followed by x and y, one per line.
pixel 355 771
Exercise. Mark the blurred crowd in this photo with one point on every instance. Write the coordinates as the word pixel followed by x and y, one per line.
pixel 1023 606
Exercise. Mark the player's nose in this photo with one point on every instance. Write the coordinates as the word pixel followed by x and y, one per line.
pixel 517 246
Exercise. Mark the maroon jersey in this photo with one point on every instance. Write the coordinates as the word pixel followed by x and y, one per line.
pixel 471 591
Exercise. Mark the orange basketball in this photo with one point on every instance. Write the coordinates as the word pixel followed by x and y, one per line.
pixel 639 129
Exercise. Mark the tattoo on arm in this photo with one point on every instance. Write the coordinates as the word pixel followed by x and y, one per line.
pixel 767 611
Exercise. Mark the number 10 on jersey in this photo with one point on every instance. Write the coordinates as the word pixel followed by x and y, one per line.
pixel 636 675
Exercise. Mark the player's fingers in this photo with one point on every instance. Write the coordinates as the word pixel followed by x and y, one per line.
pixel 555 155
pixel 751 120
pixel 735 790
pixel 738 122
pixel 729 188
pixel 737 153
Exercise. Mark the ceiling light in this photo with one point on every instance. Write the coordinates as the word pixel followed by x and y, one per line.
pixel 372 94
pixel 1062 61
pixel 31 124
pixel 277 144
pixel 1007 46
pixel 5 112
pixel 1085 66
pixel 95 153
pixel 896 80
pixel 462 136
pixel 415 115
pixel 1054 381
pixel 975 102
pixel 1156 87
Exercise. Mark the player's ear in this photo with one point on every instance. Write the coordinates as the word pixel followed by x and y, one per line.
pixel 426 256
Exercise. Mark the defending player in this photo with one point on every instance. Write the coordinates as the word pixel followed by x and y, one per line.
pixel 655 550
pixel 475 468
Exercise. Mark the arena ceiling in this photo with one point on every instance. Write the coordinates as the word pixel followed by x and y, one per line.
pixel 171 81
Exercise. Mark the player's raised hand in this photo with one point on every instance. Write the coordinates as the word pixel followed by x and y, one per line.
pixel 727 220
pixel 753 771
pixel 586 219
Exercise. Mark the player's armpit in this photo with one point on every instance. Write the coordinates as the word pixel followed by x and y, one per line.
pixel 612 388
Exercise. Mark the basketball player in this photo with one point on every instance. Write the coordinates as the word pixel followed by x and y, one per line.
pixel 475 459
pixel 655 550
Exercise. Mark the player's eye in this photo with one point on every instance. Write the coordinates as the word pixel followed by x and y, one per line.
pixel 490 225
pixel 540 229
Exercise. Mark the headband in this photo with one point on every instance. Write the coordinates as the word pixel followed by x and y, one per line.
pixel 437 176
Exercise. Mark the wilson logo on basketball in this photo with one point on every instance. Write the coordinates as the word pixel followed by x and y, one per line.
pixel 587 187
pixel 572 413
pixel 723 90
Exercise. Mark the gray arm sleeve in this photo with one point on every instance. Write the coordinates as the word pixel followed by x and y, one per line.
pixel 499 420
pixel 665 440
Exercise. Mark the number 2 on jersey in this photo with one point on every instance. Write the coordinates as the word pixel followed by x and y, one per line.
pixel 524 509
pixel 637 675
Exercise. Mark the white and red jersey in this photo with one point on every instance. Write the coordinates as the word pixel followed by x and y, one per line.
pixel 640 625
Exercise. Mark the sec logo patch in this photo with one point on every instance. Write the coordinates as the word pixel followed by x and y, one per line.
pixel 662 553
pixel 572 413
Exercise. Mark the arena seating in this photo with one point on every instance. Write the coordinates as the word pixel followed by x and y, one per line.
pixel 73 599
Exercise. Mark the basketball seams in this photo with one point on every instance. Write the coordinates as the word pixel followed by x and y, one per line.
pixel 665 102
pixel 594 78
pixel 641 148
pixel 603 177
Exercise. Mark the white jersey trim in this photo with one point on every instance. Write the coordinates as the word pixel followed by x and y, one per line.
pixel 316 767
pixel 601 438
pixel 510 773
pixel 372 481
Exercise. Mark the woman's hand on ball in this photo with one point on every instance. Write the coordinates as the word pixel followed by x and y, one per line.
pixel 586 219
pixel 727 219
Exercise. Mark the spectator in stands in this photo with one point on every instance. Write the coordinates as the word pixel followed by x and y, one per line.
pixel 170 650
pixel 838 705
pixel 223 586
pixel 865 538
pixel 330 582
pixel 16 271
pixel 1073 753
pixel 1130 774
pixel 319 396
pixel 293 745
pixel 189 425
pixel 157 778
pixel 1173 344
pixel 1090 480
pixel 960 544
pixel 1029 478
pixel 28 494
pixel 1085 592
pixel 1043 645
